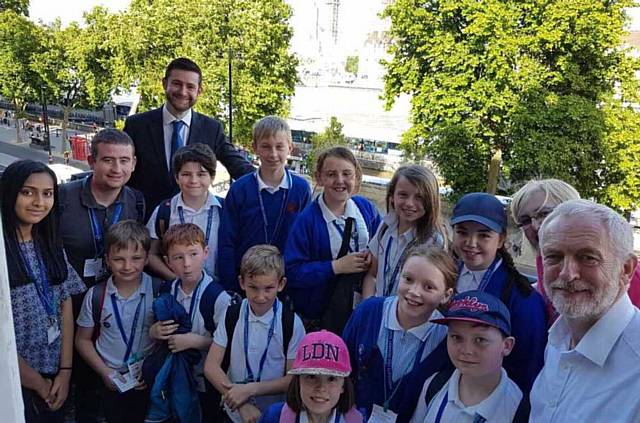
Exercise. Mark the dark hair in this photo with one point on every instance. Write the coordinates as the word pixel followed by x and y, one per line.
pixel 125 233
pixel 345 403
pixel 343 153
pixel 182 63
pixel 45 234
pixel 514 276
pixel 111 136
pixel 198 153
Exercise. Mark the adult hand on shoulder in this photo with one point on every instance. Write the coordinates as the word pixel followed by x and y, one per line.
pixel 351 263
pixel 237 394
pixel 249 413
pixel 59 390
pixel 162 329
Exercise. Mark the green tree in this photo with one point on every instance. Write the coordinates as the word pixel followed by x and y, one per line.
pixel 254 34
pixel 19 6
pixel 351 65
pixel 20 42
pixel 331 136
pixel 530 81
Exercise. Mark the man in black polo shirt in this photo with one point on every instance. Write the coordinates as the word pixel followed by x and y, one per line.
pixel 88 207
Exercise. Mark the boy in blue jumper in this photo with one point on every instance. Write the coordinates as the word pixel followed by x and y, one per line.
pixel 122 338
pixel 261 207
pixel 201 296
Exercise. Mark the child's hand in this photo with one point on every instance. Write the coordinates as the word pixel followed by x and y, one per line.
pixel 237 394
pixel 249 413
pixel 108 382
pixel 181 342
pixel 59 390
pixel 351 263
pixel 141 386
pixel 45 388
pixel 162 329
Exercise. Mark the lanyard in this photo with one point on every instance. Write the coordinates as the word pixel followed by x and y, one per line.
pixel 250 377
pixel 336 420
pixel 265 221
pixel 487 274
pixel 96 228
pixel 388 367
pixel 116 313
pixel 209 221
pixel 354 234
pixel 44 291
pixel 194 297
pixel 390 282
pixel 443 404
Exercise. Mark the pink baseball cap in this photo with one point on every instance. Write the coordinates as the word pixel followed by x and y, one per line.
pixel 322 353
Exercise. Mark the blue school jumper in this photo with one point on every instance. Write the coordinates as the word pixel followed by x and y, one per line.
pixel 361 337
pixel 528 327
pixel 308 256
pixel 243 223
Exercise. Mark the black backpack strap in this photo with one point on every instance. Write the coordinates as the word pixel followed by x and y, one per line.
pixel 288 320
pixel 163 217
pixel 523 410
pixel 97 301
pixel 230 320
pixel 140 206
pixel 159 286
pixel 437 383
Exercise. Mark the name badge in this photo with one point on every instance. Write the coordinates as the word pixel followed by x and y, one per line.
pixel 93 268
pixel 53 332
pixel 378 415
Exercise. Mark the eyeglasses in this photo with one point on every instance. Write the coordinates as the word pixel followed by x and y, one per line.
pixel 539 216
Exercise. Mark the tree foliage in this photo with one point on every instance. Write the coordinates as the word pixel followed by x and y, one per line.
pixel 21 7
pixel 352 64
pixel 547 84
pixel 254 34
pixel 331 136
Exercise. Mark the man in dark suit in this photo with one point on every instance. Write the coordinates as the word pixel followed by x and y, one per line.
pixel 158 133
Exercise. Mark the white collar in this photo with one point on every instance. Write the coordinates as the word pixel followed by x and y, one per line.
pixel 265 318
pixel 202 283
pixel 391 219
pixel 284 183
pixel 350 210
pixel 211 200
pixel 420 332
pixel 168 118
pixel 487 408
pixel 111 288
pixel 597 343
pixel 304 418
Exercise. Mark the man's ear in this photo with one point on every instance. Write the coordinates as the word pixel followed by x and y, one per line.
pixel 628 269
pixel 91 160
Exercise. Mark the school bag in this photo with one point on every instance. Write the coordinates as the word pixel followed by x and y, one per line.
pixel 231 319
pixel 163 216
pixel 287 415
pixel 441 378
pixel 97 302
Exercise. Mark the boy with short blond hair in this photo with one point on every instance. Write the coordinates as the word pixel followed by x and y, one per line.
pixel 261 207
pixel 253 350
pixel 202 298
pixel 115 339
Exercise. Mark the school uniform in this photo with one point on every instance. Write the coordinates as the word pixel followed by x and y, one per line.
pixel 206 218
pixel 446 407
pixel 259 345
pixel 379 348
pixel 528 320
pixel 388 246
pixel 274 415
pixel 598 380
pixel 314 242
pixel 131 316
pixel 256 213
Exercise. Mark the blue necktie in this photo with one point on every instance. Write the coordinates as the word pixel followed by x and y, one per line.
pixel 176 138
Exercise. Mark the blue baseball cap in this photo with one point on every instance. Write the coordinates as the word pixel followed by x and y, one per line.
pixel 478 307
pixel 483 208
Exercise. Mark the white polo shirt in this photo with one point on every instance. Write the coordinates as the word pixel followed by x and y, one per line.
pixel 335 237
pixel 599 379
pixel 167 127
pixel 406 344
pixel 284 183
pixel 499 407
pixel 274 366
pixel 198 217
pixel 197 321
pixel 110 345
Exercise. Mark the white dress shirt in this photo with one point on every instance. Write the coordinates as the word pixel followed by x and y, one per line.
pixel 167 128
pixel 335 237
pixel 599 379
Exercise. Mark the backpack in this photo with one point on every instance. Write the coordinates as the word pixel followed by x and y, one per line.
pixel 231 318
pixel 441 378
pixel 163 216
pixel 97 302
pixel 287 415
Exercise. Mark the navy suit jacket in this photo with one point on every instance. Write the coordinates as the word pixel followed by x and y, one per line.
pixel 151 176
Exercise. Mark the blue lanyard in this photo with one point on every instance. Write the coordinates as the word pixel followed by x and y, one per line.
pixel 336 420
pixel 209 222
pixel 44 292
pixel 389 283
pixel 116 313
pixel 388 368
pixel 487 274
pixel 194 297
pixel 96 228
pixel 265 221
pixel 354 235
pixel 443 404
pixel 250 377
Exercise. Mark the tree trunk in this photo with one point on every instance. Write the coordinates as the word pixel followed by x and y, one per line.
pixel 65 124
pixel 494 172
pixel 19 108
